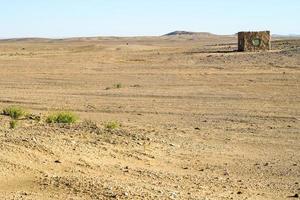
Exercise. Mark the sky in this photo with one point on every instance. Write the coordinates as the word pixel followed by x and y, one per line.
pixel 72 18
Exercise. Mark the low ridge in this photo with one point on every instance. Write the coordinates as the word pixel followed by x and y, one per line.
pixel 176 33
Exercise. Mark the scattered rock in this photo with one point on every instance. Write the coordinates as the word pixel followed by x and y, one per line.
pixel 226 173
pixel 294 196
pixel 57 161
pixel 24 193
pixel 173 195
pixel 112 195
pixel 126 169
pixel 239 192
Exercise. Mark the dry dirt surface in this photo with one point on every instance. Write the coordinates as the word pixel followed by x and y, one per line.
pixel 198 119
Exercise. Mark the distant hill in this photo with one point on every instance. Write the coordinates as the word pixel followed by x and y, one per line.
pixel 26 40
pixel 182 33
pixel 286 36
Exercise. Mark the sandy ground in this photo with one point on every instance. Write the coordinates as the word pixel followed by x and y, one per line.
pixel 199 120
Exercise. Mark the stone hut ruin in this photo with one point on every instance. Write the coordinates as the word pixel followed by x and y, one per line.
pixel 254 41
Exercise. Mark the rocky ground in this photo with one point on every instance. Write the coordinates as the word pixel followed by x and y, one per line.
pixel 198 120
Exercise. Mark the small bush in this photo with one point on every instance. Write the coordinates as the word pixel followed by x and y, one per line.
pixel 13 124
pixel 118 85
pixel 14 112
pixel 112 125
pixel 62 118
pixel 115 86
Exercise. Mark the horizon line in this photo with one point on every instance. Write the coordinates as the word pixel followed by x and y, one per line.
pixel 132 36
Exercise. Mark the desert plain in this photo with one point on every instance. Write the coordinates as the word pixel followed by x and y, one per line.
pixel 197 119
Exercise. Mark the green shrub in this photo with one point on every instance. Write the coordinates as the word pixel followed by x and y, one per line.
pixel 112 125
pixel 118 85
pixel 14 112
pixel 115 86
pixel 62 118
pixel 13 124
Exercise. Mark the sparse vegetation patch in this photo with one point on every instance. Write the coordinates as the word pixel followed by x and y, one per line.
pixel 13 124
pixel 64 117
pixel 112 125
pixel 14 112
pixel 115 86
pixel 118 85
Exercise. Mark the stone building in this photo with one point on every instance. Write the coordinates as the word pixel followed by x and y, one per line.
pixel 254 41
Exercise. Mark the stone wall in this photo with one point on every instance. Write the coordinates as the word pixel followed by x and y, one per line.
pixel 254 41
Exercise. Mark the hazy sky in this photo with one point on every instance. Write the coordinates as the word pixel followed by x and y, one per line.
pixel 66 18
